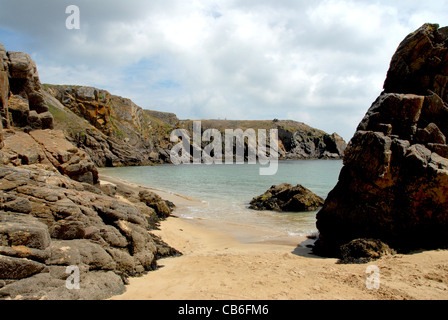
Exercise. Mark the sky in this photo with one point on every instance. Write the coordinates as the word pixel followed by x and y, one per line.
pixel 321 62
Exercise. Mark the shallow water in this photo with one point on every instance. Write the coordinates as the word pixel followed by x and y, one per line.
pixel 228 189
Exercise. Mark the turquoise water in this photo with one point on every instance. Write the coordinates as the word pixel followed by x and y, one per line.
pixel 228 189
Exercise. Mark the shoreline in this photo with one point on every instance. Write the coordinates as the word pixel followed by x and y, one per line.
pixel 245 233
pixel 216 265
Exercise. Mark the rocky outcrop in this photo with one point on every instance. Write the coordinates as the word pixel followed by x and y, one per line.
pixel 22 103
pixel 55 216
pixel 296 139
pixel 394 183
pixel 51 149
pixel 49 222
pixel 117 132
pixel 286 197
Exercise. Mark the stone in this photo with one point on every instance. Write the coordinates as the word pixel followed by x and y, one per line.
pixel 23 230
pixel 76 252
pixel 46 120
pixel 154 201
pixel 16 204
pixel 286 197
pixel 68 230
pixel 431 134
pixel 393 186
pixel 22 145
pixel 15 268
pixel 68 159
pixel 20 64
pixel 19 109
pixel 364 251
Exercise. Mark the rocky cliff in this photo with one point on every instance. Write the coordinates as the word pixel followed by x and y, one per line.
pixel 113 130
pixel 117 132
pixel 56 217
pixel 394 183
pixel 296 139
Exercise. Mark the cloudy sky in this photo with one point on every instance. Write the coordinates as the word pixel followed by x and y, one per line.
pixel 319 62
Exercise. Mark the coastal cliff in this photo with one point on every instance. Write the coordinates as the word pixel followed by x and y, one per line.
pixel 114 131
pixel 297 140
pixel 55 214
pixel 394 183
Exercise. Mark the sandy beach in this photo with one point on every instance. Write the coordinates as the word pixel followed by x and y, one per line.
pixel 216 265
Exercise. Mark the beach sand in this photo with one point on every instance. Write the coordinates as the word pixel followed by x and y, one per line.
pixel 217 265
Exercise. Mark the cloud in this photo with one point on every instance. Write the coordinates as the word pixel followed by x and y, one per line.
pixel 319 62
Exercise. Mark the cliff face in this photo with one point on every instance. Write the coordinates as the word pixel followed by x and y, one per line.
pixel 54 213
pixel 394 183
pixel 296 139
pixel 117 131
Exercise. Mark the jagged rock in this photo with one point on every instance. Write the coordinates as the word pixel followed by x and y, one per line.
pixel 65 223
pixel 286 197
pixel 296 139
pixel 394 183
pixel 21 78
pixel 121 132
pixel 50 148
pixel 154 201
pixel 52 215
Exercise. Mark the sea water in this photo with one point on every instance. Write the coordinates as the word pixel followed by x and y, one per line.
pixel 226 190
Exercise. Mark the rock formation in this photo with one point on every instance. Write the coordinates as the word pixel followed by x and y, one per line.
pixel 120 133
pixel 286 197
pixel 55 215
pixel 49 222
pixel 394 183
pixel 117 131
pixel 296 139
pixel 364 251
pixel 22 102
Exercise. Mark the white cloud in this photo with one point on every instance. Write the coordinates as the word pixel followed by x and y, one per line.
pixel 319 62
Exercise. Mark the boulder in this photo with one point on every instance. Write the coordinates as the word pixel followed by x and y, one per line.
pixel 364 251
pixel 155 202
pixel 286 197
pixel 394 183
pixel 25 92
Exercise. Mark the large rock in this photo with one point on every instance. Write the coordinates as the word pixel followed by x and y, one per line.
pixel 364 251
pixel 25 92
pixel 49 148
pixel 286 197
pixel 49 222
pixel 394 183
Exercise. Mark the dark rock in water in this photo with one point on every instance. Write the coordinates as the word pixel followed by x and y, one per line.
pixel 286 197
pixel 364 251
pixel 394 183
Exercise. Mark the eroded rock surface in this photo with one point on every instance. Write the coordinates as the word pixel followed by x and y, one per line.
pixel 394 183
